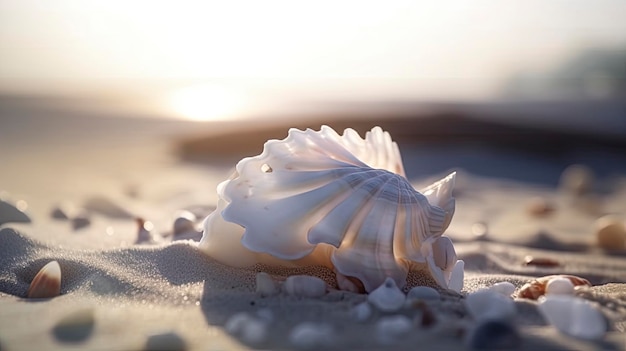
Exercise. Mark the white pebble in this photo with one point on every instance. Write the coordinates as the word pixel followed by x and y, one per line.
pixel 389 329
pixel 423 293
pixel 573 316
pixel 265 285
pixel 246 327
pixel 487 304
pixel 310 335
pixel 304 286
pixel 387 297
pixel 504 288
pixel 361 312
pixel 611 232
pixel 559 286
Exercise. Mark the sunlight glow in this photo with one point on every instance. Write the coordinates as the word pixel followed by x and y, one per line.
pixel 206 103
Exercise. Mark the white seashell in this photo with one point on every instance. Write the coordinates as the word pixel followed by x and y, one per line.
pixel 559 286
pixel 573 316
pixel 265 285
pixel 321 198
pixel 505 288
pixel 248 328
pixel 46 283
pixel 456 276
pixel 11 214
pixel 389 329
pixel 304 286
pixel 361 312
pixel 387 297
pixel 309 336
pixel 486 304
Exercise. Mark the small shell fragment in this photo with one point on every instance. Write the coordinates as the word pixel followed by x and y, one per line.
pixel 573 316
pixel 537 287
pixel 387 297
pixel 311 336
pixel 504 288
pixel 487 304
pixel 540 207
pixel 559 286
pixel 265 285
pixel 540 262
pixel 389 329
pixel 184 223
pixel 304 286
pixel 611 233
pixel 47 282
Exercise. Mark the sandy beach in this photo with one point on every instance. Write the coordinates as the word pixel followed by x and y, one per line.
pixel 119 295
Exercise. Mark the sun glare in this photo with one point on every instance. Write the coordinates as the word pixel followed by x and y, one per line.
pixel 206 103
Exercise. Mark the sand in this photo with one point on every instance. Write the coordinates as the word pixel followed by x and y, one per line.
pixel 134 292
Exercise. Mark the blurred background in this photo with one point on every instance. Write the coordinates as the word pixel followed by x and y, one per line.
pixel 516 89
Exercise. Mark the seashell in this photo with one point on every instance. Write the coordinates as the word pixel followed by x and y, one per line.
pixel 490 305
pixel 540 261
pixel 387 297
pixel 361 312
pixel 573 316
pixel 76 326
pixel 389 329
pixel 265 285
pixel 494 335
pixel 12 214
pixel 248 328
pixel 304 286
pixel 421 293
pixel 320 198
pixel 47 282
pixel 611 233
pixel 504 288
pixel 537 287
pixel 312 336
pixel 167 341
pixel 559 286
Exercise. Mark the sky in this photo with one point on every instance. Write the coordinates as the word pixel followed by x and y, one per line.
pixel 404 49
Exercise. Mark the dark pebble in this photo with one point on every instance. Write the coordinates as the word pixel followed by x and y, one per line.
pixel 494 335
pixel 75 327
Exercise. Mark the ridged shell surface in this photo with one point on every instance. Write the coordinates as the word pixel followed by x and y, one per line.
pixel 336 200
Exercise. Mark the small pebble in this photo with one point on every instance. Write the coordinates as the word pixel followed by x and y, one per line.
pixel 184 223
pixel 390 329
pixel 540 262
pixel 12 214
pixel 494 335
pixel 487 304
pixel 249 329
pixel 479 229
pixel 573 316
pixel 46 283
pixel 577 180
pixel 559 286
pixel 75 327
pixel 387 297
pixel 80 221
pixel 504 288
pixel 304 286
pixel 361 312
pixel 169 341
pixel 265 285
pixel 611 233
pixel 539 207
pixel 311 336
pixel 423 293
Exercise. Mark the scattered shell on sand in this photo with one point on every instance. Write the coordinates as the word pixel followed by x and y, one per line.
pixel 265 285
pixel 611 232
pixel 389 329
pixel 504 288
pixel 387 297
pixel 540 262
pixel 12 214
pixel 493 335
pixel 487 304
pixel 249 329
pixel 573 316
pixel 304 286
pixel 76 326
pixel 577 179
pixel 559 286
pixel 423 293
pixel 361 312
pixel 47 282
pixel 168 341
pixel 310 336
pixel 540 207
pixel 537 287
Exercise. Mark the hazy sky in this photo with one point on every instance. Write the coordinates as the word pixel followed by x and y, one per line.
pixel 82 42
